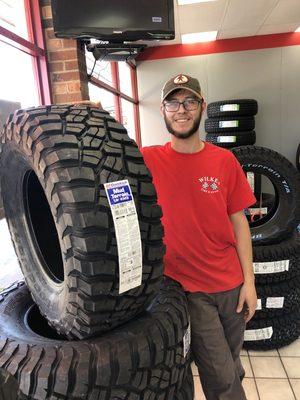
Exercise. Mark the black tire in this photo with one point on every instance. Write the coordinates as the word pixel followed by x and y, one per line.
pixel 286 253
pixel 187 391
pixel 230 124
pixel 239 107
pixel 298 158
pixel 286 181
pixel 278 298
pixel 231 139
pixel 55 160
pixel 9 388
pixel 143 359
pixel 285 329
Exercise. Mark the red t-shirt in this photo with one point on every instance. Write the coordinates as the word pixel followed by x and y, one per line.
pixel 198 192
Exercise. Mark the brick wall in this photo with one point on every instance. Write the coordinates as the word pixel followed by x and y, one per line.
pixel 66 60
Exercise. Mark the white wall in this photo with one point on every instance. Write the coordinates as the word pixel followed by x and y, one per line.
pixel 271 76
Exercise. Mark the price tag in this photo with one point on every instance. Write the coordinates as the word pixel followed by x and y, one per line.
pixel 250 179
pixel 228 124
pixel 226 139
pixel 258 307
pixel 271 267
pixel 230 107
pixel 127 234
pixel 274 302
pixel 258 334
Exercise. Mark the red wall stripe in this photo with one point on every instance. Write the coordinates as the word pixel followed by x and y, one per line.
pixel 221 46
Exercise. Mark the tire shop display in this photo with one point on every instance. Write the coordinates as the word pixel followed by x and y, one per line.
pixel 55 161
pixel 147 358
pixel 231 123
pixel 276 249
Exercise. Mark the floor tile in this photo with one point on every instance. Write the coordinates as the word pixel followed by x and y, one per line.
pixel 269 353
pixel 199 395
pixel 247 367
pixel 296 387
pixel 267 367
pixel 250 389
pixel 292 366
pixel 194 369
pixel 274 389
pixel 292 350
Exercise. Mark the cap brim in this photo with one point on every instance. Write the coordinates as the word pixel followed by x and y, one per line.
pixel 183 88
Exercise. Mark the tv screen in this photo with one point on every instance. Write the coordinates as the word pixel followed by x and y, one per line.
pixel 114 20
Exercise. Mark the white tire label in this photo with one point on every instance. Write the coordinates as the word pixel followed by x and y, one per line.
pixel 257 211
pixel 258 334
pixel 258 307
pixel 187 341
pixel 250 179
pixel 228 124
pixel 230 107
pixel 274 302
pixel 226 139
pixel 127 234
pixel 272 267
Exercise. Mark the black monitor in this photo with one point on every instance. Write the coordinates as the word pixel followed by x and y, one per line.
pixel 114 20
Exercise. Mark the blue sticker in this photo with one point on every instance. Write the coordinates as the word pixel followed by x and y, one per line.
pixel 120 194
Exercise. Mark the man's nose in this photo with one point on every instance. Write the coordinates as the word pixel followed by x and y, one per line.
pixel 181 105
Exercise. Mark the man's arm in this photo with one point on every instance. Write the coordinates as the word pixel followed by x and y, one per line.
pixel 244 250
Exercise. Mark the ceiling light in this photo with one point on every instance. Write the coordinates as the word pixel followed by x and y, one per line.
pixel 199 37
pixel 298 29
pixel 183 2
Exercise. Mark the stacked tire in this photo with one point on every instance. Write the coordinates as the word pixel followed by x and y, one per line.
pixel 71 332
pixel 231 123
pixel 276 250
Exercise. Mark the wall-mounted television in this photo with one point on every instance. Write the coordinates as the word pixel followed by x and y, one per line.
pixel 114 20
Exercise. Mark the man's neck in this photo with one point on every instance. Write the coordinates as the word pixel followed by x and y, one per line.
pixel 190 145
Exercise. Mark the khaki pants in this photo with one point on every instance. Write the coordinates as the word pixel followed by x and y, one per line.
pixel 217 332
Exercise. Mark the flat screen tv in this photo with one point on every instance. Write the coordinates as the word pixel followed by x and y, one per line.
pixel 114 20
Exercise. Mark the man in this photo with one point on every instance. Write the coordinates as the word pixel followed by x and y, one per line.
pixel 203 191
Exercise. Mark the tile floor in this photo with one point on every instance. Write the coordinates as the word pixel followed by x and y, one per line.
pixel 270 375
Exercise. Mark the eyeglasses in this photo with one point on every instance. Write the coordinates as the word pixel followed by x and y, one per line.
pixel 189 105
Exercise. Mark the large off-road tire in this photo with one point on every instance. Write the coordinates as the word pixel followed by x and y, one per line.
pixel 281 222
pixel 187 391
pixel 226 108
pixel 54 163
pixel 9 388
pixel 278 262
pixel 229 124
pixel 231 139
pixel 273 333
pixel 142 360
pixel 278 298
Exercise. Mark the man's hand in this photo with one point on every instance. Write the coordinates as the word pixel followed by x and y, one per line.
pixel 247 296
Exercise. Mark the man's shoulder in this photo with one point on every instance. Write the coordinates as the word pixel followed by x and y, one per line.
pixel 220 151
pixel 152 150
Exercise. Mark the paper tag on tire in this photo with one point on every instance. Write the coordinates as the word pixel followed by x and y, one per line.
pixel 274 302
pixel 258 306
pixel 258 334
pixel 271 267
pixel 127 234
pixel 187 341
pixel 230 107
pixel 226 139
pixel 229 124
pixel 250 179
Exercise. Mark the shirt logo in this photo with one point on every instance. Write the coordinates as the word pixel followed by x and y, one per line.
pixel 209 184
pixel 180 79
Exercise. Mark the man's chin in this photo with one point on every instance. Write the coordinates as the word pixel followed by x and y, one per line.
pixel 182 135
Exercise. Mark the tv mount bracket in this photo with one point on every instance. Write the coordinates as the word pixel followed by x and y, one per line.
pixel 115 51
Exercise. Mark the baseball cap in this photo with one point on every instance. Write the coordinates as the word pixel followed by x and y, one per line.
pixel 181 81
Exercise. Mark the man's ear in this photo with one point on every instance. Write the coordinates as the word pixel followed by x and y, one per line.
pixel 162 110
pixel 203 106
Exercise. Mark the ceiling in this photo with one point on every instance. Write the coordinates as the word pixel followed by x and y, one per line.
pixel 236 18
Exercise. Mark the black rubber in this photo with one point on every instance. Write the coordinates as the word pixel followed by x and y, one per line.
pixel 298 158
pixel 286 329
pixel 142 360
pixel 244 107
pixel 288 249
pixel 288 290
pixel 9 388
pixel 244 124
pixel 187 391
pixel 285 217
pixel 55 160
pixel 236 139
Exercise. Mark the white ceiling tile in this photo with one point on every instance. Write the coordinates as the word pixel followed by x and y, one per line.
pixel 234 33
pixel 286 11
pixel 269 29
pixel 242 13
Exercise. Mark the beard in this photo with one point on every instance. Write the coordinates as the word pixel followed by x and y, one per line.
pixel 188 133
